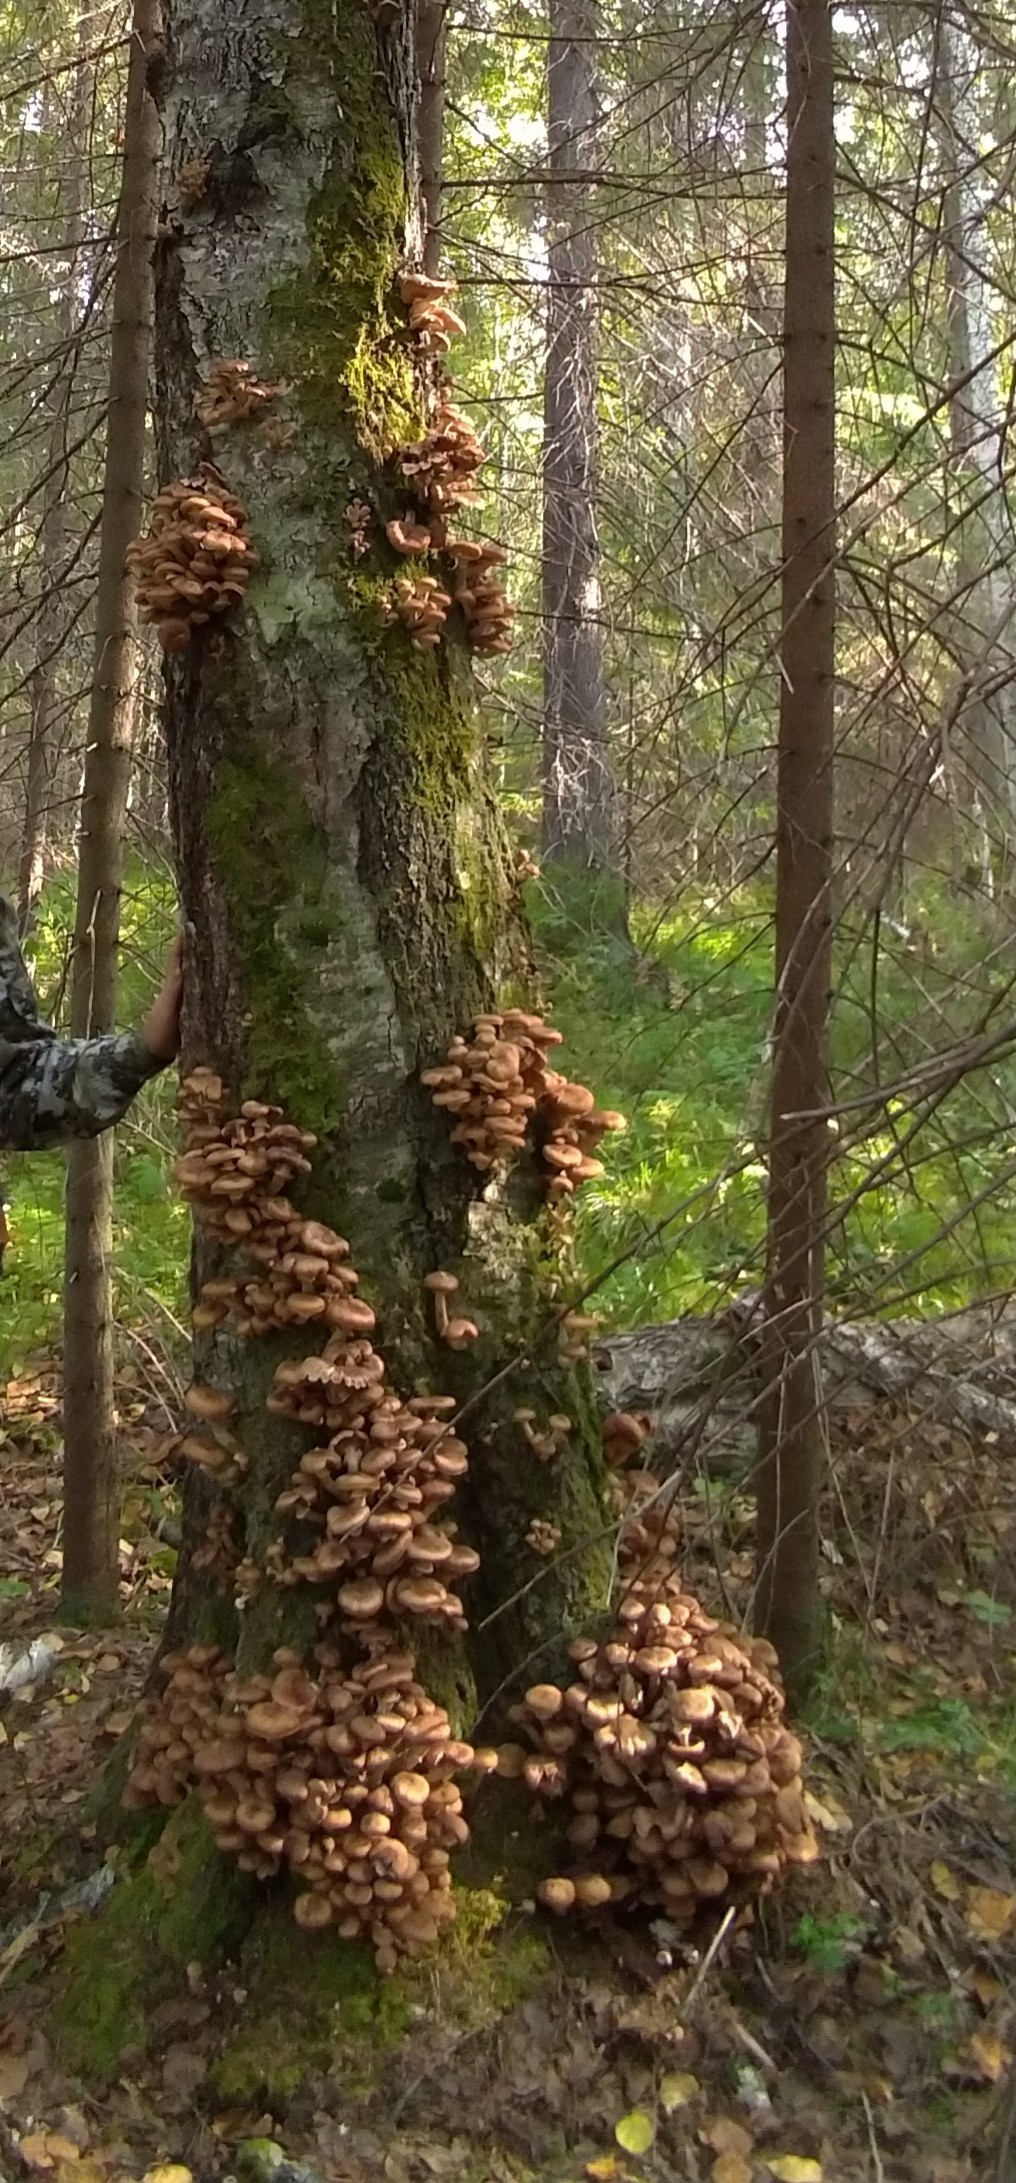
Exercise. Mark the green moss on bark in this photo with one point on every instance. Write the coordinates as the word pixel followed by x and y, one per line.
pixel 120 1963
pixel 329 327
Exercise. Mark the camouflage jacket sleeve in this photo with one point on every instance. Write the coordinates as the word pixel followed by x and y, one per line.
pixel 52 1089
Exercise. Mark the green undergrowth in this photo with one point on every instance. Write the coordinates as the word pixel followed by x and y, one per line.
pixel 676 1038
pixel 151 1233
pixel 669 1026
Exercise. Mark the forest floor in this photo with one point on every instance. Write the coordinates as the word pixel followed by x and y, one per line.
pixel 859 2030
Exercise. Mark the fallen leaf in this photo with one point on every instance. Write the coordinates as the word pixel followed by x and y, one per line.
pixel 605 2169
pixel 676 2089
pixel 13 2076
pixel 794 2168
pixel 988 1989
pixel 945 1882
pixel 730 2168
pixel 828 1815
pixel 989 2054
pixel 726 2136
pixel 61 2148
pixel 908 1945
pixel 80 2171
pixel 635 2132
pixel 169 2173
pixel 989 1912
pixel 35 2151
pixel 117 1724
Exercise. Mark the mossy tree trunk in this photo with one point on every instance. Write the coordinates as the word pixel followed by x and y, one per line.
pixel 342 863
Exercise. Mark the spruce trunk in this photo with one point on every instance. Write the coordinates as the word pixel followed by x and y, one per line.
pixel 90 1588
pixel 792 1427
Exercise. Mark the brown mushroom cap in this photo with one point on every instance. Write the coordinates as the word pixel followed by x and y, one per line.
pixel 557 1895
pixel 214 1403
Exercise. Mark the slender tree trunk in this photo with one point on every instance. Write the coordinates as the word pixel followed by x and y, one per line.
pixel 577 787
pixel 791 1436
pixel 431 48
pixel 91 1496
pixel 978 432
pixel 44 690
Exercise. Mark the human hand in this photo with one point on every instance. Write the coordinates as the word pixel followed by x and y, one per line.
pixel 161 1028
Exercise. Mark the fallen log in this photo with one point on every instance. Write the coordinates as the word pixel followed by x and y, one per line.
pixel 698 1377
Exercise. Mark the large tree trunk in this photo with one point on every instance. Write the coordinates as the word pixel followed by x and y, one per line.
pixel 342 864
pixel 792 1435
pixel 577 787
pixel 91 1496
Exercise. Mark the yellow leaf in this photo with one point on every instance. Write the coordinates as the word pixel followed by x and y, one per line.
pixel 34 2149
pixel 989 1912
pixel 605 2169
pixel 945 1882
pixel 676 2089
pixel 990 2055
pixel 988 1989
pixel 63 2149
pixel 634 2132
pixel 794 2168
pixel 169 2172
pixel 730 2168
pixel 828 1815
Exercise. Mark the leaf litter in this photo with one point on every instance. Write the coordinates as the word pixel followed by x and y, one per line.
pixel 867 2006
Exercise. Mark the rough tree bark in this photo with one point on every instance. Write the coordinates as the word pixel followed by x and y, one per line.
pixel 44 697
pixel 791 1431
pixel 577 786
pixel 342 866
pixel 91 1497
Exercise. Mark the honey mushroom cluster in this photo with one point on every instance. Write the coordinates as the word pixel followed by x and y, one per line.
pixel 545 1441
pixel 431 317
pixel 650 1538
pixel 372 1493
pixel 422 608
pixel 441 469
pixel 232 394
pixel 683 1782
pixel 347 1776
pixel 195 560
pixel 481 594
pixel 192 182
pixel 359 517
pixel 498 1085
pixel 346 1779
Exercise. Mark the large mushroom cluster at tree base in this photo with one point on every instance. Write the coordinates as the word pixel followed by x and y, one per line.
pixel 501 1092
pixel 195 561
pixel 344 1772
pixel 670 1748
pixel 344 1777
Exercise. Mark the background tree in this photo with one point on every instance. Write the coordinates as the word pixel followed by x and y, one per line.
pixel 792 1423
pixel 577 790
pixel 91 1569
